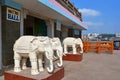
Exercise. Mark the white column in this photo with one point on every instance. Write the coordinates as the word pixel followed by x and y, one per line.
pixel 50 28
pixel 50 33
pixel 0 39
pixel 58 25
pixel 22 23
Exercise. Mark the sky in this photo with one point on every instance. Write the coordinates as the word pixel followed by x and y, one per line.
pixel 101 16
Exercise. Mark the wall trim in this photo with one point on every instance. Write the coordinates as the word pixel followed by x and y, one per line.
pixel 12 4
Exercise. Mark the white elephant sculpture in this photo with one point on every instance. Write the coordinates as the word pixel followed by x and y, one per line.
pixel 34 48
pixel 26 46
pixel 72 42
pixel 56 45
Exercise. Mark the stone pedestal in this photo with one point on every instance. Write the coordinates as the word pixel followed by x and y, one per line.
pixel 26 75
pixel 73 57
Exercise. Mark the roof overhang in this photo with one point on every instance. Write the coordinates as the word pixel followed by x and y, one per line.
pixel 52 9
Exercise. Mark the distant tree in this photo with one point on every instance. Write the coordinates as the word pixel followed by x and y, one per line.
pixel 108 36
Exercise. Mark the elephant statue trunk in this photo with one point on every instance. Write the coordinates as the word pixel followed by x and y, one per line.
pixel 60 54
pixel 50 69
pixel 56 45
pixel 49 56
pixel 45 47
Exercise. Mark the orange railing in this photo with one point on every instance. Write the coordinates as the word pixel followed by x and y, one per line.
pixel 98 46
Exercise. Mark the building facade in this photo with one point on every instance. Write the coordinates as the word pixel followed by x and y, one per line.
pixel 53 18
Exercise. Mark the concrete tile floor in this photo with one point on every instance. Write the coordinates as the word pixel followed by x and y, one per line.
pixel 94 66
pixel 1 77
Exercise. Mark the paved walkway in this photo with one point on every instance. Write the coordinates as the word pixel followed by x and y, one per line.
pixel 94 66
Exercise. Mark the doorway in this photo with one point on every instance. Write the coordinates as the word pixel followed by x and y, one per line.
pixel 35 26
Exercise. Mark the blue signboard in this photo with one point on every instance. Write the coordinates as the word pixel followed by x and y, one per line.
pixel 13 15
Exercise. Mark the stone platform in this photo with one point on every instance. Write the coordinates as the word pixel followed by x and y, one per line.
pixel 73 57
pixel 26 75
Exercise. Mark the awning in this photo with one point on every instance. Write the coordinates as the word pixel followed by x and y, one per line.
pixel 61 10
pixel 53 10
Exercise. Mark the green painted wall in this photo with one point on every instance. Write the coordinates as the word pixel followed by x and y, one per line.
pixel 40 27
pixel 35 26
pixel 0 1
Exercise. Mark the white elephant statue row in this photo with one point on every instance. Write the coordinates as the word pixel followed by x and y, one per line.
pixel 72 42
pixel 34 48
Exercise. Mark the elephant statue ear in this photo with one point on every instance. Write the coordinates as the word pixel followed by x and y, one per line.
pixel 76 40
pixel 34 44
pixel 33 40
